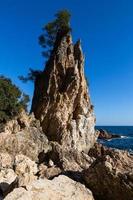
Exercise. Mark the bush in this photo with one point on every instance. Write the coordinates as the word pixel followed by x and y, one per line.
pixel 12 100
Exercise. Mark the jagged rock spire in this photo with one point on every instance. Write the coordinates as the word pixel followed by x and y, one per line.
pixel 61 101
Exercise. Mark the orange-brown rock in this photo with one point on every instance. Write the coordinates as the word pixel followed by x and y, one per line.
pixel 61 100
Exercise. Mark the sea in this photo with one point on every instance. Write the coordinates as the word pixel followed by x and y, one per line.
pixel 125 142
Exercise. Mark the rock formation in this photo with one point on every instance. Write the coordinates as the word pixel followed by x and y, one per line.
pixel 104 135
pixel 56 156
pixel 61 101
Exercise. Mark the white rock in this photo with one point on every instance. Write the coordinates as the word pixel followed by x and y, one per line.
pixel 6 160
pixel 60 188
pixel 7 180
pixel 19 194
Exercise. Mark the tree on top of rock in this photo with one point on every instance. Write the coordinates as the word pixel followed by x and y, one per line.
pixel 61 24
pixel 50 30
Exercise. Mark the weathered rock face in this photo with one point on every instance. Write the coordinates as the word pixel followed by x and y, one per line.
pixel 69 159
pixel 61 187
pixel 111 175
pixel 61 101
pixel 23 135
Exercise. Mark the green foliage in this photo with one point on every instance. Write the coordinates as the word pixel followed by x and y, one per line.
pixel 12 100
pixel 50 30
pixel 61 23
pixel 31 75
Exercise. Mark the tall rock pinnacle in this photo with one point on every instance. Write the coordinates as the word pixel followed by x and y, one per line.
pixel 61 101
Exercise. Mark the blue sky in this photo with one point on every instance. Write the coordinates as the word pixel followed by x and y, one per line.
pixel 106 30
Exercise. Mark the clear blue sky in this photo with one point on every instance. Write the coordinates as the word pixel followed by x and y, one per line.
pixel 106 30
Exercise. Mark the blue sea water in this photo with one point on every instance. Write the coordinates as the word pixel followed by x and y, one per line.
pixel 126 140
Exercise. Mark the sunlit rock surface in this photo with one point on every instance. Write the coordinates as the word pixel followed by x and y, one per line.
pixel 61 187
pixel 61 98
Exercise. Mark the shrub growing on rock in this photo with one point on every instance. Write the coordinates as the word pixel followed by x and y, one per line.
pixel 12 100
pixel 61 23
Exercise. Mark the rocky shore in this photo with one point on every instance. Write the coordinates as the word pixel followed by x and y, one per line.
pixel 104 135
pixel 53 154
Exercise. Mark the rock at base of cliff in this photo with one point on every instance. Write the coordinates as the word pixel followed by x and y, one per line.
pixel 61 187
pixel 110 177
pixel 23 135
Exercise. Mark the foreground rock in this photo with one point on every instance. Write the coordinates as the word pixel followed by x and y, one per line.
pixel 111 175
pixel 8 181
pixel 61 100
pixel 15 172
pixel 61 187
pixel 104 135
pixel 25 169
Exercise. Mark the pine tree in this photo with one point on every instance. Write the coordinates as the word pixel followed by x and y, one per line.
pixel 47 39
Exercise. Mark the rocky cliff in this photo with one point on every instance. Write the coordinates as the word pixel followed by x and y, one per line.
pixel 61 98
pixel 54 156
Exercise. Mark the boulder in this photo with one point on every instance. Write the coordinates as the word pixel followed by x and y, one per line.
pixel 25 169
pixel 61 187
pixel 8 181
pixel 30 141
pixel 48 172
pixel 104 135
pixel 111 176
pixel 19 194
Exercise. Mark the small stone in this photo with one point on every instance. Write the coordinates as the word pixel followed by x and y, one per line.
pixel 51 163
